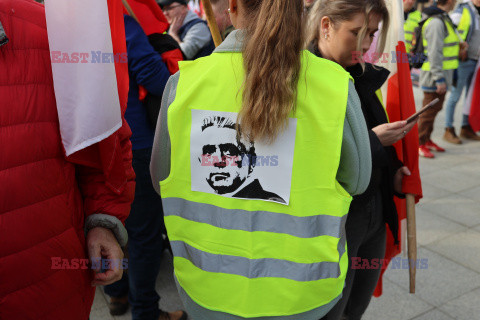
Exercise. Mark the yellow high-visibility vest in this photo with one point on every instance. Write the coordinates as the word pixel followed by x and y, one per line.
pixel 451 47
pixel 409 27
pixel 254 258
pixel 465 24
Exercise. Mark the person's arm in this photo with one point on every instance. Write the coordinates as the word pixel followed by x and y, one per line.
pixel 106 210
pixel 379 154
pixel 355 167
pixel 196 38
pixel 435 35
pixel 160 162
pixel 144 63
pixel 104 207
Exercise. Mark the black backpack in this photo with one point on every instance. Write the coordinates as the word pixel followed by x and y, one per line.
pixel 417 56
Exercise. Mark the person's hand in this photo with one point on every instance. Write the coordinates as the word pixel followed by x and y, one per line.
pixel 441 88
pixel 102 244
pixel 398 178
pixel 176 24
pixel 389 133
pixel 463 54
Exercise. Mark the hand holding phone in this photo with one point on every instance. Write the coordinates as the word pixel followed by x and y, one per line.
pixel 417 114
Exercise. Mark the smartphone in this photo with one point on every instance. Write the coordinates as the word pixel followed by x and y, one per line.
pixel 418 113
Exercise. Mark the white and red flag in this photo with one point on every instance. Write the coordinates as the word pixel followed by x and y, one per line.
pixel 472 104
pixel 90 75
pixel 400 104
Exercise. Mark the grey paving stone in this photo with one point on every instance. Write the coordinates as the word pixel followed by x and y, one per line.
pixel 431 192
pixel 395 304
pixel 451 181
pixel 441 282
pixel 434 314
pixel 455 207
pixel 432 227
pixel 427 166
pixel 101 314
pixel 464 248
pixel 99 300
pixel 473 193
pixel 466 307
pixel 471 168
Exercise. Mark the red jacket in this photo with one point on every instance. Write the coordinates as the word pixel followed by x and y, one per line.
pixel 44 199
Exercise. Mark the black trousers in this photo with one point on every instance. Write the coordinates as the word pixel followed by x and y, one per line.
pixel 366 240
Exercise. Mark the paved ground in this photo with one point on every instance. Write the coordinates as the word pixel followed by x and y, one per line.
pixel 448 229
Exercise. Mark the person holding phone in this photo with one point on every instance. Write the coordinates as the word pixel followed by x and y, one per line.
pixel 336 29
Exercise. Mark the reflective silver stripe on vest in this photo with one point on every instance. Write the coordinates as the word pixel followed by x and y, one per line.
pixel 450 58
pixel 251 221
pixel 451 44
pixel 255 268
pixel 410 32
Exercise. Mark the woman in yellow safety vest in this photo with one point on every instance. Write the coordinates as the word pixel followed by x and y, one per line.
pixel 258 150
pixel 342 31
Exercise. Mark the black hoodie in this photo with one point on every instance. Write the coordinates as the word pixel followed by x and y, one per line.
pixel 385 162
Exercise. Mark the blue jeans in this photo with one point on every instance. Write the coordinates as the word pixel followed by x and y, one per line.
pixel 465 71
pixel 145 244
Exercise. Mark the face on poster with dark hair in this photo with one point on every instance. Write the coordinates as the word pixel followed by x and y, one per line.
pixel 228 164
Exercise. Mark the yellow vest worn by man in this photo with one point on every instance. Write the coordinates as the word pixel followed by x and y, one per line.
pixel 409 27
pixel 451 46
pixel 251 257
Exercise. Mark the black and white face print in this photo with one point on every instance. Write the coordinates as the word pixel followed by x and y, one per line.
pixel 232 165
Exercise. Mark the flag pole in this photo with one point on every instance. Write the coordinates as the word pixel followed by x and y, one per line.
pixel 212 23
pixel 129 10
pixel 412 240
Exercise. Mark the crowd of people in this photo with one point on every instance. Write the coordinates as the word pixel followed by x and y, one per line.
pixel 254 164
pixel 451 43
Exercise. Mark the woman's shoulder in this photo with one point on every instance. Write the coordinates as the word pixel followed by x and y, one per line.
pixel 313 62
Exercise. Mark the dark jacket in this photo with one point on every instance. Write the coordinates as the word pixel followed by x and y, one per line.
pixel 255 191
pixel 145 68
pixel 385 162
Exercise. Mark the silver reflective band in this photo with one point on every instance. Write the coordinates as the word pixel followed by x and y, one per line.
pixel 449 58
pixel 451 44
pixel 252 221
pixel 409 32
pixel 255 268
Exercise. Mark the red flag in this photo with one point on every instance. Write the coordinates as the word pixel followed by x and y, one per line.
pixel 149 15
pixel 401 105
pixel 474 117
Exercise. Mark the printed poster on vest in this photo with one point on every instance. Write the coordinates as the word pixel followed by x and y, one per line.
pixel 235 167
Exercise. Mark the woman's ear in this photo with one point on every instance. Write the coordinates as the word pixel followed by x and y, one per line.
pixel 325 27
pixel 232 10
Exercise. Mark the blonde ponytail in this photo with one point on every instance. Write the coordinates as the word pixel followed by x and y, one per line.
pixel 272 61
